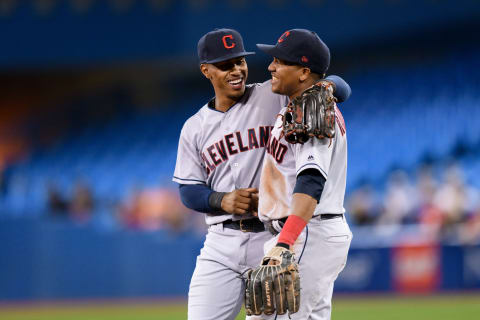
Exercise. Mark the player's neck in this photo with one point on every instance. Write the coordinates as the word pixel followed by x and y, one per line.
pixel 223 103
pixel 302 86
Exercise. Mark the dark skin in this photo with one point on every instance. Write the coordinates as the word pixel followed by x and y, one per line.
pixel 228 79
pixel 241 201
pixel 291 79
pixel 224 76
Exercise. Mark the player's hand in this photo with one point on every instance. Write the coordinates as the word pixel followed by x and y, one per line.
pixel 241 201
pixel 274 286
pixel 254 206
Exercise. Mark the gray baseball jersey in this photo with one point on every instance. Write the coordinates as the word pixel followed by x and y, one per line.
pixel 284 161
pixel 322 247
pixel 225 150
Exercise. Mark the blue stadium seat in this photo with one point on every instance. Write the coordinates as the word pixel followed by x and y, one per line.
pixel 394 118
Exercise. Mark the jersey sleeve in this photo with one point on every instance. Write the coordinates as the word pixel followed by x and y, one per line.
pixel 314 154
pixel 188 168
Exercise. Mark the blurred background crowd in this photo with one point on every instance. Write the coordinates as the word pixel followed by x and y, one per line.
pixel 94 95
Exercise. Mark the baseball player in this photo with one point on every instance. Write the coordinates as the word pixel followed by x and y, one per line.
pixel 302 185
pixel 220 154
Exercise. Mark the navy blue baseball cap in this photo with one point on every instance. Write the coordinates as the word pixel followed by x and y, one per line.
pixel 220 45
pixel 300 46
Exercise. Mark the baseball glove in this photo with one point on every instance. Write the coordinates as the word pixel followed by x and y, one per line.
pixel 312 114
pixel 274 285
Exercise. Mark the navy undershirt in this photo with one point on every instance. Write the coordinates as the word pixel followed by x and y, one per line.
pixel 196 196
pixel 311 182
pixel 342 89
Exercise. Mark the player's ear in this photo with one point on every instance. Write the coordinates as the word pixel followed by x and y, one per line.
pixel 204 70
pixel 304 74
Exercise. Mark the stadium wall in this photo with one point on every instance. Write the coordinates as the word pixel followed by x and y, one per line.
pixel 56 260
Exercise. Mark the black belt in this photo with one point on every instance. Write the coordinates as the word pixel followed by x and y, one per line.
pixel 328 216
pixel 247 225
pixel 275 230
pixel 325 216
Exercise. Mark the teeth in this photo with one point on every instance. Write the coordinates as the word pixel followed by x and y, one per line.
pixel 238 81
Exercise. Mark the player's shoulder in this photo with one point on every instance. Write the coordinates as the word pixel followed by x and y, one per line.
pixel 195 121
pixel 264 89
pixel 340 121
pixel 261 86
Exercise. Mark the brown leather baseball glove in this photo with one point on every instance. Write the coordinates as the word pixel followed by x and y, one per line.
pixel 312 114
pixel 274 285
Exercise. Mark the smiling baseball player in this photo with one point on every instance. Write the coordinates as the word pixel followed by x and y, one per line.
pixel 220 155
pixel 302 188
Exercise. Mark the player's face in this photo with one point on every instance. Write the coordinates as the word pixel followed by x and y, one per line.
pixel 285 77
pixel 229 77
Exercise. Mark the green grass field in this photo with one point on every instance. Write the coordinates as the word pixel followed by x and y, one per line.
pixel 451 307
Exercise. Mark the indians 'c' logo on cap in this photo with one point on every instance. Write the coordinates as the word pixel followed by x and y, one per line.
pixel 226 43
pixel 283 36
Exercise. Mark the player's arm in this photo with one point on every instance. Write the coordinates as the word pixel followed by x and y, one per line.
pixel 306 195
pixel 342 90
pixel 196 197
pixel 201 198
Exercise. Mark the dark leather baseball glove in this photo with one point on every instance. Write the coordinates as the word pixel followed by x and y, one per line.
pixel 312 114
pixel 274 285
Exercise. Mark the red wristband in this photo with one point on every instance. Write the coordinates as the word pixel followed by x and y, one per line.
pixel 292 229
